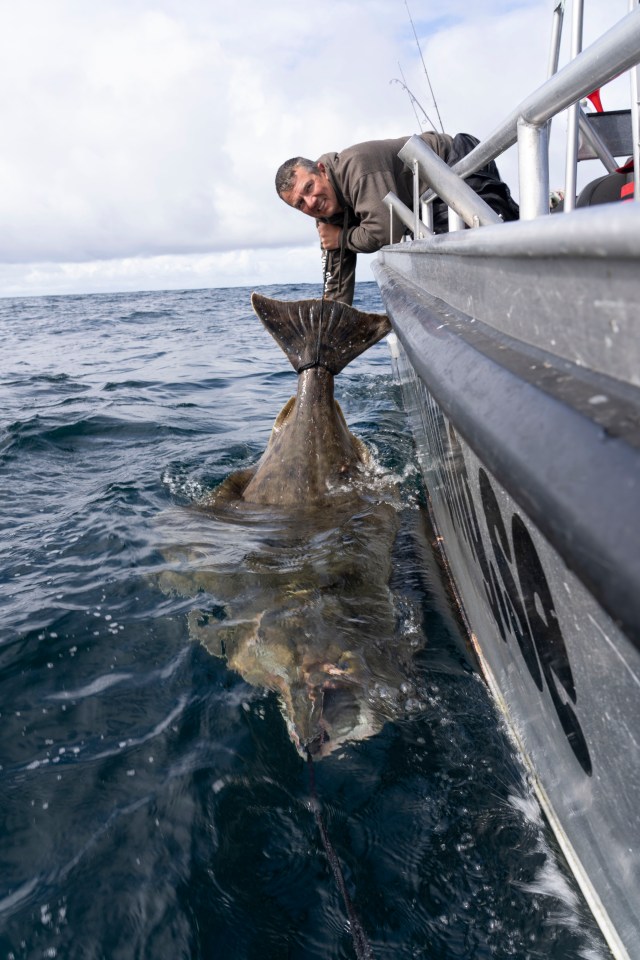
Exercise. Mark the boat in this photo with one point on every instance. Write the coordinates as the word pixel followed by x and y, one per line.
pixel 516 346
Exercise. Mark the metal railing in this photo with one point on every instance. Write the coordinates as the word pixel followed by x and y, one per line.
pixel 635 114
pixel 616 52
pixel 406 216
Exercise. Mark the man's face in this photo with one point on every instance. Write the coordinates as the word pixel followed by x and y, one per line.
pixel 312 193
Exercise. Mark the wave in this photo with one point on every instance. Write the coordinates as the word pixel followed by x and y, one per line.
pixel 153 803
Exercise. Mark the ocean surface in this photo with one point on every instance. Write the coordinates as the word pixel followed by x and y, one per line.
pixel 153 804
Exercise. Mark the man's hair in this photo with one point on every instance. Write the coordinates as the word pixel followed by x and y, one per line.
pixel 285 175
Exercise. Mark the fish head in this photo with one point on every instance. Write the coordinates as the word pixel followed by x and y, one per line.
pixel 321 718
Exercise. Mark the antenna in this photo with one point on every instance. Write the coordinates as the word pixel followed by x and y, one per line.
pixel 426 72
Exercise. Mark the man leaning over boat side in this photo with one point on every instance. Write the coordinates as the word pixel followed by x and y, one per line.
pixel 344 193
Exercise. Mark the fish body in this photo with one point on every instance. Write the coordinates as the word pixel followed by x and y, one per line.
pixel 311 453
pixel 294 555
pixel 308 613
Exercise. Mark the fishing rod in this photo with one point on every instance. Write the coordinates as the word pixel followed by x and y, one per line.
pixel 414 101
pixel 426 73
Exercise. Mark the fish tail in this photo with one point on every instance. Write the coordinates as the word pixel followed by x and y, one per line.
pixel 325 333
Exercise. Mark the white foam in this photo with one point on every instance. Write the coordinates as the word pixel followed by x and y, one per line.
pixel 96 686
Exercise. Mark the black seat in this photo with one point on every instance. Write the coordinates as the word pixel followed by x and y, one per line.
pixel 607 189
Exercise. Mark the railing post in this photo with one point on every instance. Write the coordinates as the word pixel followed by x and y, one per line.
pixel 416 200
pixel 533 169
pixel 426 210
pixel 405 215
pixel 447 185
pixel 571 175
pixel 635 119
pixel 455 221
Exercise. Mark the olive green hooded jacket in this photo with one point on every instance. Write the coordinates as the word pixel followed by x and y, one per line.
pixel 363 174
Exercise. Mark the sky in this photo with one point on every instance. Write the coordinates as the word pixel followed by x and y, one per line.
pixel 140 138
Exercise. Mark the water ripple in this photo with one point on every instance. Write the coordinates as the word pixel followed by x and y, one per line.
pixel 153 804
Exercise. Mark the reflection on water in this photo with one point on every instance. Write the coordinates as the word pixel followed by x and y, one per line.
pixel 153 803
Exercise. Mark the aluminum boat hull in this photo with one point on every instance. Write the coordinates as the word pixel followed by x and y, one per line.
pixel 518 358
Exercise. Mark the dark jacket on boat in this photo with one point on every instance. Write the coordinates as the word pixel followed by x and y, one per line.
pixel 362 175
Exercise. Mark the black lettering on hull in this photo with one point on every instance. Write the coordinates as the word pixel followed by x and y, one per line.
pixel 516 588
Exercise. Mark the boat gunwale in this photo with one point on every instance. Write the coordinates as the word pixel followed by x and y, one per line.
pixel 602 232
pixel 581 503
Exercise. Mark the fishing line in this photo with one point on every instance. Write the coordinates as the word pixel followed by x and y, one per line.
pixel 360 942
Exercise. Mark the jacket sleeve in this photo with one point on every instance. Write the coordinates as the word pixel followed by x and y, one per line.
pixel 340 281
pixel 367 193
pixel 372 232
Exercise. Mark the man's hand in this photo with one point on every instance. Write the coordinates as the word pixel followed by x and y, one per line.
pixel 329 235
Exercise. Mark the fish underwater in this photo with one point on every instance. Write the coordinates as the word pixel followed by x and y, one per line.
pixel 291 560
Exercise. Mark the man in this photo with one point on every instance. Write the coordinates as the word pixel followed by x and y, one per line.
pixel 344 193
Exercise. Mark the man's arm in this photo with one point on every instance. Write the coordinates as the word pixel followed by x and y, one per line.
pixel 340 279
pixel 367 173
pixel 339 271
pixel 372 232
pixel 329 234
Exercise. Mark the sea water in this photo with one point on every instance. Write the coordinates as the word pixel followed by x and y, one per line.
pixel 152 804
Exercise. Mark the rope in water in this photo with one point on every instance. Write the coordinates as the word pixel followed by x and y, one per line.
pixel 360 942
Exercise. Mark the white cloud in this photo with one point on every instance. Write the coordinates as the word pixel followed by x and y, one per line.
pixel 260 266
pixel 140 138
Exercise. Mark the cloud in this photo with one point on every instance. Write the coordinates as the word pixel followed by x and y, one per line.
pixel 137 131
pixel 142 130
pixel 249 267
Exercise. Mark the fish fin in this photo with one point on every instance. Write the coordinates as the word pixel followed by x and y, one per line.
pixel 284 413
pixel 297 325
pixel 231 488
